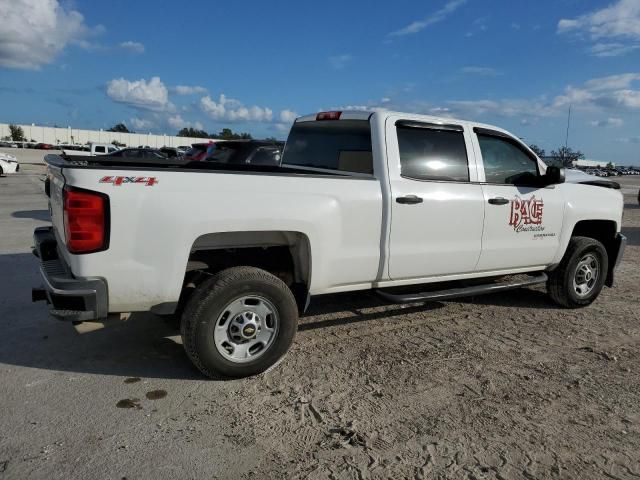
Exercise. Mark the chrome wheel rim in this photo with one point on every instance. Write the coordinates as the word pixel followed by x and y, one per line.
pixel 586 275
pixel 246 328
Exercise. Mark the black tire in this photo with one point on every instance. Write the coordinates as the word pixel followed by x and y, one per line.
pixel 560 284
pixel 208 302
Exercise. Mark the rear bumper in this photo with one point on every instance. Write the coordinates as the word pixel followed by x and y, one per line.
pixel 69 298
pixel 615 257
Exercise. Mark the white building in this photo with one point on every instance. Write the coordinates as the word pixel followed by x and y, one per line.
pixel 56 136
pixel 592 163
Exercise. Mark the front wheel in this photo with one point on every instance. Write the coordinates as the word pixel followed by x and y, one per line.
pixel 239 323
pixel 579 278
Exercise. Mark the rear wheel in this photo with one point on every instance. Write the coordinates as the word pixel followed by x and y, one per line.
pixel 579 278
pixel 239 323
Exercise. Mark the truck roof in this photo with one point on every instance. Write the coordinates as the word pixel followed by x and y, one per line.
pixel 367 114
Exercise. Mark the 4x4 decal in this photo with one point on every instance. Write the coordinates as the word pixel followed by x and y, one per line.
pixel 117 181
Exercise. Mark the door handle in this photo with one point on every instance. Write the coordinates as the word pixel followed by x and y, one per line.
pixel 498 201
pixel 409 199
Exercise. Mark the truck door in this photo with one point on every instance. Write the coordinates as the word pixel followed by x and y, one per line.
pixel 522 223
pixel 437 208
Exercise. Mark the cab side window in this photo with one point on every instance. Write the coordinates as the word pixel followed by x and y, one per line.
pixel 506 163
pixel 431 153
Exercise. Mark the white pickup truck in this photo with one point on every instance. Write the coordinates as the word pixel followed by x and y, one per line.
pixel 92 150
pixel 362 200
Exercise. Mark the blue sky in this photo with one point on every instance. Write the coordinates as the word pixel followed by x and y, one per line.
pixel 252 66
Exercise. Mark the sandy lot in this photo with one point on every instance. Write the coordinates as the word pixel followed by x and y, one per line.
pixel 502 386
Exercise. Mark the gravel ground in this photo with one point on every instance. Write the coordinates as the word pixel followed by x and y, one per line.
pixel 501 386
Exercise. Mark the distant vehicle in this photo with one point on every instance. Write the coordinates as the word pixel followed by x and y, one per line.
pixel 199 151
pixel 9 144
pixel 138 153
pixel 171 152
pixel 44 146
pixel 93 150
pixel 236 152
pixel 8 164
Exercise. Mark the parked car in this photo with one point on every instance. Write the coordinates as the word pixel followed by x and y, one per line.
pixel 199 151
pixel 44 146
pixel 362 200
pixel 92 150
pixel 9 144
pixel 253 152
pixel 171 152
pixel 256 152
pixel 138 153
pixel 8 164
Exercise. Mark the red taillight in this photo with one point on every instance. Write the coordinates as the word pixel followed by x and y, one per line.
pixel 328 116
pixel 85 221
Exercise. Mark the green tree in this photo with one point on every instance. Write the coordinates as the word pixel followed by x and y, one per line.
pixel 566 156
pixel 610 166
pixel 17 134
pixel 120 128
pixel 192 132
pixel 537 150
pixel 228 134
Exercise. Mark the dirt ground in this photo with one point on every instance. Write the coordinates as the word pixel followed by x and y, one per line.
pixel 505 386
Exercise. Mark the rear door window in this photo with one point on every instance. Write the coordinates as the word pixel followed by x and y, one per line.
pixel 432 152
pixel 343 145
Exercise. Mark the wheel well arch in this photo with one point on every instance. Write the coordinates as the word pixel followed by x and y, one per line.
pixel 285 254
pixel 605 232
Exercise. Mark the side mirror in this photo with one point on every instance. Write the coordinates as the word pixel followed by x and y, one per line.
pixel 554 175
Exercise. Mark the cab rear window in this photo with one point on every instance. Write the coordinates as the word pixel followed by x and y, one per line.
pixel 343 145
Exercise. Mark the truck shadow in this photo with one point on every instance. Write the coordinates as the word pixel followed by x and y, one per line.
pixel 633 235
pixel 148 346
pixel 42 215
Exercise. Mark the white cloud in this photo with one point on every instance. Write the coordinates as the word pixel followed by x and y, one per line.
pixel 481 71
pixel 438 16
pixel 611 49
pixel 340 61
pixel 132 47
pixel 288 116
pixel 612 82
pixel 189 90
pixel 233 110
pixel 141 123
pixel 34 32
pixel 177 122
pixel 607 122
pixel 621 19
pixel 614 92
pixel 151 95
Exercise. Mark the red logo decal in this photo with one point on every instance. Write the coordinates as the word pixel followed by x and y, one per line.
pixel 117 181
pixel 525 212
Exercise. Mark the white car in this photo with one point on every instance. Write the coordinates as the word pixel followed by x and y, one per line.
pixel 8 164
pixel 362 201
